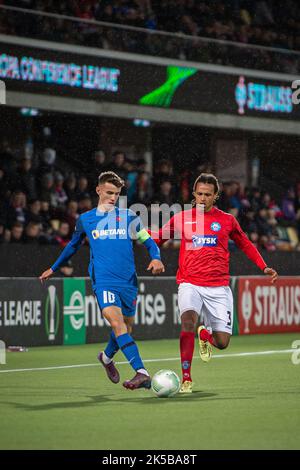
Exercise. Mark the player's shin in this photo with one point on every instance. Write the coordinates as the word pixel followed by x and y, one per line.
pixel 112 347
pixel 131 352
pixel 187 343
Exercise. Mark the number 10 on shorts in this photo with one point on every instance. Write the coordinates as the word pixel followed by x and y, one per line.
pixel 108 297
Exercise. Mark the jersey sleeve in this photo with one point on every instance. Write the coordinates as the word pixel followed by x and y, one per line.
pixel 72 247
pixel 140 233
pixel 167 232
pixel 243 242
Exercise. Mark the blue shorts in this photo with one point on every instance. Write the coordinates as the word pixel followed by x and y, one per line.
pixel 123 297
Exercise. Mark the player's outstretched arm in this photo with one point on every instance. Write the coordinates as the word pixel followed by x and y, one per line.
pixel 45 275
pixel 156 266
pixel 243 242
pixel 70 249
pixel 271 272
pixel 167 232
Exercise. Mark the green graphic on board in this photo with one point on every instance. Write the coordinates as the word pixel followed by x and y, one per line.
pixel 74 311
pixel 163 95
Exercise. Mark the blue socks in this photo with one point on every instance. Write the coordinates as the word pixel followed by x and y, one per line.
pixel 130 351
pixel 112 347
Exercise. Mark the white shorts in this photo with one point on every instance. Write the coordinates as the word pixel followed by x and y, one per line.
pixel 214 303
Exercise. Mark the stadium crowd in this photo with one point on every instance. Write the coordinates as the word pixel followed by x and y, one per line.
pixel 249 22
pixel 40 201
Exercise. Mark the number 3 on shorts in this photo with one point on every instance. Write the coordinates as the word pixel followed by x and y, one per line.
pixel 229 315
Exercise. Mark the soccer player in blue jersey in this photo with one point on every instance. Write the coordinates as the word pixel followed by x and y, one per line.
pixel 110 231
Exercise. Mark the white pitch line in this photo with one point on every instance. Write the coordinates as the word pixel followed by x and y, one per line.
pixel 217 356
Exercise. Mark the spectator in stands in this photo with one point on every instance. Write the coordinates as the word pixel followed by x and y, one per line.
pixel 100 164
pixel 7 157
pixel 71 214
pixel 247 221
pixel 165 194
pixel 2 230
pixel 261 220
pixel 104 11
pixel 32 233
pixel 297 207
pixel 131 180
pixel 47 164
pixel 45 216
pixel 5 185
pixel 163 172
pixel 26 180
pixel 47 186
pixel 16 233
pixel 266 201
pixel 236 196
pixel 70 186
pixel 267 242
pixel 255 199
pixel 254 238
pixel 33 213
pixel 58 198
pixel 271 219
pixel 118 164
pixel 62 236
pixel 184 186
pixel 144 190
pixel 82 188
pixel 16 211
pixel 84 204
pixel 66 269
pixel 255 22
pixel 288 206
pixel 224 201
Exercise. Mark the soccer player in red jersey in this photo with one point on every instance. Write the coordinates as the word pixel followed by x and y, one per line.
pixel 203 273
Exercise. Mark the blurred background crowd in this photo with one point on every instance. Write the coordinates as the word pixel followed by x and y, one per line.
pixel 270 23
pixel 41 199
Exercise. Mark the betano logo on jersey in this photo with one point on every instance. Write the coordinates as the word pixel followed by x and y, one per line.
pixel 108 233
pixel 204 240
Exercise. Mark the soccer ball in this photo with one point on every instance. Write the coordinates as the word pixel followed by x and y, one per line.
pixel 165 383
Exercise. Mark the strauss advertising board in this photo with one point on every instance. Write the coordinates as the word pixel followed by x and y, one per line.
pixel 267 308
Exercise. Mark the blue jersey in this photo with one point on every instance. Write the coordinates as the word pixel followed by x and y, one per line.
pixel 110 236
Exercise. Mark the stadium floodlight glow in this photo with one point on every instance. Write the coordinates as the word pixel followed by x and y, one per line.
pixel 163 95
pixel 141 123
pixel 29 112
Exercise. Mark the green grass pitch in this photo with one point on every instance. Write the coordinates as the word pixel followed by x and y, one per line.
pixel 239 402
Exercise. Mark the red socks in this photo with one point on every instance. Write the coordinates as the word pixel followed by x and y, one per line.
pixel 205 335
pixel 187 342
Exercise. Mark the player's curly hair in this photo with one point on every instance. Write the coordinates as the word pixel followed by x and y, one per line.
pixel 207 178
pixel 111 177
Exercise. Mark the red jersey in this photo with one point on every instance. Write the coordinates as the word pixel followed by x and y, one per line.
pixel 204 254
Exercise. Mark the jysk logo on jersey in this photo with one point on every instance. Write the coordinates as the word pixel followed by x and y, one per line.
pixel 215 226
pixel 204 240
